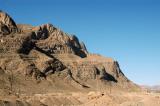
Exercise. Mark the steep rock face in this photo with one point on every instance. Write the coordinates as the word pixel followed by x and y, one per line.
pixel 45 53
pixel 7 25
pixel 57 42
pixel 51 40
pixel 43 31
pixel 95 67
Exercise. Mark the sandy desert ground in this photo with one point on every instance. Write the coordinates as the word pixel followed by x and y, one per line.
pixel 85 99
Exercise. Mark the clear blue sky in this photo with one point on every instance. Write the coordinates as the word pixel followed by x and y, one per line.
pixel 127 30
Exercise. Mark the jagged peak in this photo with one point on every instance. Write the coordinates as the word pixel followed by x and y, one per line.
pixel 7 24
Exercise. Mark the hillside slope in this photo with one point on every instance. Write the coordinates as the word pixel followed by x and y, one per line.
pixel 44 59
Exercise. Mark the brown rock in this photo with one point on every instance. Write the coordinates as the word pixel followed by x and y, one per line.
pixel 1 71
pixel 7 25
pixel 47 52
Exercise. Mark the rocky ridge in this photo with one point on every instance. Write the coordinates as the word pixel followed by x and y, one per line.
pixel 53 59
pixel 7 25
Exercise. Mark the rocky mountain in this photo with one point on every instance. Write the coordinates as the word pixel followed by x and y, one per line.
pixel 43 59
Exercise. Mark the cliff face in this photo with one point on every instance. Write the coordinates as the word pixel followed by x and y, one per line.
pixel 49 56
pixel 7 25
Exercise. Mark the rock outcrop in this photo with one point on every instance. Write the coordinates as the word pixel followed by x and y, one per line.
pixel 47 54
pixel 7 25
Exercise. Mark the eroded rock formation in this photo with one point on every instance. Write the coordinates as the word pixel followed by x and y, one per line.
pixel 48 54
pixel 7 25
